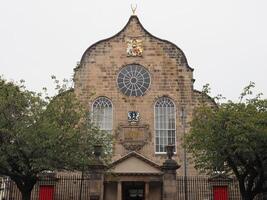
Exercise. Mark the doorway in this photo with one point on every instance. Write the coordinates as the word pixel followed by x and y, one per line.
pixel 133 190
pixel 220 193
pixel 46 192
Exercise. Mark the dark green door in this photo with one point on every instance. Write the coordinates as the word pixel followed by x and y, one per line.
pixel 133 190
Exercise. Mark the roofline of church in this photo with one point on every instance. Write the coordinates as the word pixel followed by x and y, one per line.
pixel 206 95
pixel 134 16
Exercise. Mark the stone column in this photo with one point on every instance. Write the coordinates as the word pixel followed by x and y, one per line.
pixel 146 190
pixel 119 190
pixel 95 175
pixel 169 168
pixel 96 182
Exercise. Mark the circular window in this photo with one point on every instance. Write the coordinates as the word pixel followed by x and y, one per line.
pixel 133 80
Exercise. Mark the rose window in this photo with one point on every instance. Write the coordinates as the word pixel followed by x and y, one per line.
pixel 133 80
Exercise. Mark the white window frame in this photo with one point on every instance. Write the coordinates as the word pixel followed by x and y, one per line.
pixel 93 113
pixel 155 126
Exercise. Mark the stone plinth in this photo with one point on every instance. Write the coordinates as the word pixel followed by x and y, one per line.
pixel 95 177
pixel 169 181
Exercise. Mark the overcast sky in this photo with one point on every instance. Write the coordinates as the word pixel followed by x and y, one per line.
pixel 225 41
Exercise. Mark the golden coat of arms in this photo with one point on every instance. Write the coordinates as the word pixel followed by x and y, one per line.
pixel 135 47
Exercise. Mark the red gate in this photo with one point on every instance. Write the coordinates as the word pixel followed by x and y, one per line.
pixel 220 193
pixel 46 192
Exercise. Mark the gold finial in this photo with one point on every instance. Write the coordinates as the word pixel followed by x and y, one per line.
pixel 133 8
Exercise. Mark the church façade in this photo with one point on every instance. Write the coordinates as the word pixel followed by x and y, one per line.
pixel 140 89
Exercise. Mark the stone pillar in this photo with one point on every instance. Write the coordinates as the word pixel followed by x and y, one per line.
pixel 119 190
pixel 146 190
pixel 95 175
pixel 169 181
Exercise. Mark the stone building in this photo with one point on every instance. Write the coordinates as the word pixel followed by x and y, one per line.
pixel 140 89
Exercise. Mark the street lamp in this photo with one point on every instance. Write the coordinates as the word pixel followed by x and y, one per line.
pixel 183 120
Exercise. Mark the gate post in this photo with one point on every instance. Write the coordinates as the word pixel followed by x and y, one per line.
pixel 169 168
pixel 96 176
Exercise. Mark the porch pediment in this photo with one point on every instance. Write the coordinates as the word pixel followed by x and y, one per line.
pixel 134 163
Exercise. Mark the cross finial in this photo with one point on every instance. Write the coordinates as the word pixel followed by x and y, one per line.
pixel 133 8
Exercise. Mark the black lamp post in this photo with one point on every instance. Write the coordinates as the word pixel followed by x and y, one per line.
pixel 183 119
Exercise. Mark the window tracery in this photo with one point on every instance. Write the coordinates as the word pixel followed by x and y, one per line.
pixel 102 113
pixel 133 80
pixel 165 124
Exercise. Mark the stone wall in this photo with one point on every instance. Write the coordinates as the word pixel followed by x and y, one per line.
pixel 170 76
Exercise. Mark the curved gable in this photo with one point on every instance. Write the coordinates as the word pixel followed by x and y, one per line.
pixel 134 29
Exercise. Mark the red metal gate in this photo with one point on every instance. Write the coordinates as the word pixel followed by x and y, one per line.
pixel 220 193
pixel 46 192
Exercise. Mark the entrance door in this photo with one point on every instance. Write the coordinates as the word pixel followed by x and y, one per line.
pixel 220 193
pixel 133 190
pixel 46 192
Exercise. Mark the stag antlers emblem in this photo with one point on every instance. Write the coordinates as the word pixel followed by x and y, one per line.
pixel 133 8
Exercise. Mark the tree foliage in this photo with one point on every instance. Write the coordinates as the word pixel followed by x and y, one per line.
pixel 39 134
pixel 232 138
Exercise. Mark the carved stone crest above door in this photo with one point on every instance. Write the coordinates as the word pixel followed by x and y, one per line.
pixel 133 136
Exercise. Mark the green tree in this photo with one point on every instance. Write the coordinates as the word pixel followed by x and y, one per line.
pixel 232 138
pixel 39 134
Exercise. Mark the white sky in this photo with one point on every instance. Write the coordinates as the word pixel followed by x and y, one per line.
pixel 225 41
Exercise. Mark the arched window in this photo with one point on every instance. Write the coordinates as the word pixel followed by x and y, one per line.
pixel 165 124
pixel 102 113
